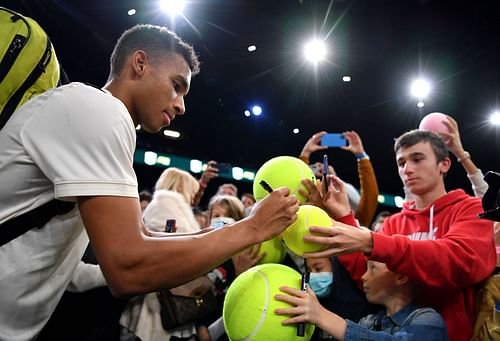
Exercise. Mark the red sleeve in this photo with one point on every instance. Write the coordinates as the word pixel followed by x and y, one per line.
pixel 464 256
pixel 355 263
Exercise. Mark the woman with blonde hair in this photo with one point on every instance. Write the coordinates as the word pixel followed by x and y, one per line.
pixel 174 193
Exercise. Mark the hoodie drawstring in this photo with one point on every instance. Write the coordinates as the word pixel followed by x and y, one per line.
pixel 431 228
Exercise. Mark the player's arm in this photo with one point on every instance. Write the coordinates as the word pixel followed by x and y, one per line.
pixel 134 263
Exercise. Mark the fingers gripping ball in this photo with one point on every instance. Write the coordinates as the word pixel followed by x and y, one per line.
pixel 249 305
pixel 293 236
pixel 282 171
pixel 434 122
pixel 274 249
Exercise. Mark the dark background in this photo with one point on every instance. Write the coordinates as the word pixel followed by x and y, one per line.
pixel 381 44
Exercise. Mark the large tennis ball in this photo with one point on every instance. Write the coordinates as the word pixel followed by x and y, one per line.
pixel 293 236
pixel 275 251
pixel 249 305
pixel 282 171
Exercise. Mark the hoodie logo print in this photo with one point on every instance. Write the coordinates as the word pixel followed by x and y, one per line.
pixel 423 235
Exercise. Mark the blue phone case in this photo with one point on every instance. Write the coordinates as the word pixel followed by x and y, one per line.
pixel 333 140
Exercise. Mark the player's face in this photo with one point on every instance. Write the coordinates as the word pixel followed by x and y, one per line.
pixel 161 96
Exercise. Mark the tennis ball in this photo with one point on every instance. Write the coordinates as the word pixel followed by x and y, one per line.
pixel 282 171
pixel 249 305
pixel 293 236
pixel 434 122
pixel 275 251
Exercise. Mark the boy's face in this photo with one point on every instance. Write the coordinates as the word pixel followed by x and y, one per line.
pixel 419 169
pixel 379 283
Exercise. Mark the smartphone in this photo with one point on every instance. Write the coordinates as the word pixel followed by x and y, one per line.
pixel 170 226
pixel 224 168
pixel 333 140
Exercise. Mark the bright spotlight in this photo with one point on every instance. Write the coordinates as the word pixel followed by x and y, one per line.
pixel 172 7
pixel 420 88
pixel 252 48
pixel 495 118
pixel 346 79
pixel 131 11
pixel 296 130
pixel 420 104
pixel 315 51
pixel 247 113
pixel 256 110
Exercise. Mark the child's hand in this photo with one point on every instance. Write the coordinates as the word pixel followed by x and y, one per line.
pixel 307 307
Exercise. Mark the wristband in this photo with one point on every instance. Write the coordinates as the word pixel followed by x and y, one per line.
pixel 362 156
pixel 463 158
pixel 202 184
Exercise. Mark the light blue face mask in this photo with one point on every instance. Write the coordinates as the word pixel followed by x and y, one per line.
pixel 321 283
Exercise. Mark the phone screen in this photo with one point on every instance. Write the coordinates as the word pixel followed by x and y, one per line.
pixel 333 140
pixel 170 226
pixel 224 168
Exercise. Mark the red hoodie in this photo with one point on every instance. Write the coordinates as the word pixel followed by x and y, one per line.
pixel 449 259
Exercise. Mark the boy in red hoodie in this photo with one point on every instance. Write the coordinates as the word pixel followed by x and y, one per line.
pixel 436 239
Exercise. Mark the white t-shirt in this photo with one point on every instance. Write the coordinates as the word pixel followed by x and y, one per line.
pixel 68 142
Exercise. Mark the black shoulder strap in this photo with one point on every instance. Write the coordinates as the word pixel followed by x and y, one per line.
pixel 36 218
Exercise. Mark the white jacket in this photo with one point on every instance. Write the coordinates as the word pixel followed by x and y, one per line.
pixel 169 205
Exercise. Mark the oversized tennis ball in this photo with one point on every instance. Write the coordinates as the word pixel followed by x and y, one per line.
pixel 249 305
pixel 282 171
pixel 293 236
pixel 275 251
pixel 434 122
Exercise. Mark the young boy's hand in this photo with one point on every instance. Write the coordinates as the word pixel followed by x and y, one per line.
pixel 306 305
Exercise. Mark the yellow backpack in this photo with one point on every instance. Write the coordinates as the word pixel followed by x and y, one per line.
pixel 28 62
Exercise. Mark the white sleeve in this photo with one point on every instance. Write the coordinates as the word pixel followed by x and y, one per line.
pixel 85 277
pixel 479 186
pixel 83 141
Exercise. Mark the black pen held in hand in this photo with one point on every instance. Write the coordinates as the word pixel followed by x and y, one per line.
pixel 266 186
pixel 303 286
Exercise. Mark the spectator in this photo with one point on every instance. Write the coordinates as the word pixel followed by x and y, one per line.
pixel 201 217
pixel 208 174
pixel 228 189
pixel 174 192
pixel 366 205
pixel 437 239
pixel 401 318
pixel 379 220
pixel 75 144
pixel 248 201
pixel 454 144
pixel 145 198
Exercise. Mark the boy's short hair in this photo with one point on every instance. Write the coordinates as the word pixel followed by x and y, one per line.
pixel 413 137
pixel 156 41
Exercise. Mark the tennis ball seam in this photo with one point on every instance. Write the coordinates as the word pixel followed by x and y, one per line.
pixel 264 310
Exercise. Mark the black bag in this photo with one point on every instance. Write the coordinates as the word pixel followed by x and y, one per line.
pixel 187 303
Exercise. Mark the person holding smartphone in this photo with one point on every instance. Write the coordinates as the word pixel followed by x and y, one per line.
pixel 364 205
